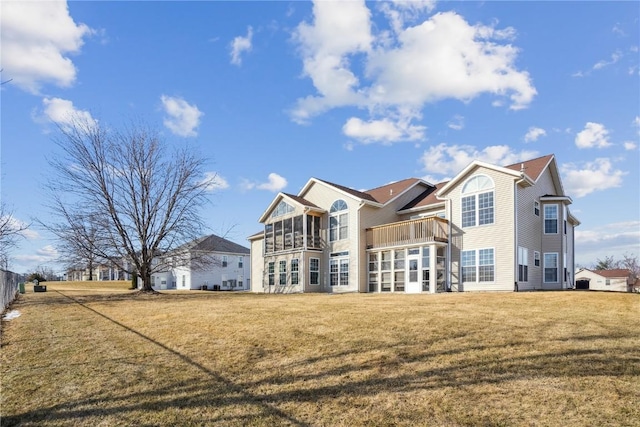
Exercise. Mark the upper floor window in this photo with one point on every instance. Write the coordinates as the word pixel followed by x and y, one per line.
pixel 550 219
pixel 283 208
pixel 536 208
pixel 338 221
pixel 477 202
pixel 224 260
pixel 240 261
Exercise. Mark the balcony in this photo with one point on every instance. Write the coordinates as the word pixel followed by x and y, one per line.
pixel 413 231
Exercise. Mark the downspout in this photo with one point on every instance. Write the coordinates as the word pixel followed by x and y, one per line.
pixel 516 266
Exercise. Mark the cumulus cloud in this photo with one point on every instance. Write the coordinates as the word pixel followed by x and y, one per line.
pixel 598 175
pixel 534 133
pixel 593 135
pixel 182 118
pixel 214 181
pixel 629 145
pixel 275 183
pixel 447 160
pixel 443 57
pixel 385 130
pixel 64 113
pixel 240 45
pixel 37 38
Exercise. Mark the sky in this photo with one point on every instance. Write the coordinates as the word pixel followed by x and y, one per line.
pixel 357 93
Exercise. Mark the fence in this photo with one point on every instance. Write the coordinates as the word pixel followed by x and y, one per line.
pixel 8 287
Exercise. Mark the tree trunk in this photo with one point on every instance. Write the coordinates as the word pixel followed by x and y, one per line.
pixel 146 283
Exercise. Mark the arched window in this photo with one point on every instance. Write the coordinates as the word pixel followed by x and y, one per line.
pixel 338 221
pixel 477 201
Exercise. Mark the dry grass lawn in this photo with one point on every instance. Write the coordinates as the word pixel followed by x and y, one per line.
pixel 84 356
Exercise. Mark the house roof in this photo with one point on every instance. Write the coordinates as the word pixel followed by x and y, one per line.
pixel 617 272
pixel 217 244
pixel 427 198
pixel 351 191
pixel 387 192
pixel 534 167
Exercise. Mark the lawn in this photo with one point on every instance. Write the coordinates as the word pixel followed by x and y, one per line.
pixel 86 356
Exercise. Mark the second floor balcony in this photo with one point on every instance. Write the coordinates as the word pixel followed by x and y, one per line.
pixel 413 231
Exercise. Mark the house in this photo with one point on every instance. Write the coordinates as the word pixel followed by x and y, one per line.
pixel 210 262
pixel 490 228
pixel 618 280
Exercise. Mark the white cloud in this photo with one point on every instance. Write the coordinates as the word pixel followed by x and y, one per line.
pixel 14 224
pixel 447 160
pixel 37 38
pixel 183 118
pixel 629 145
pixel 239 45
pixel 534 133
pixel 215 181
pixel 456 123
pixel 593 135
pixel 64 113
pixel 615 57
pixel 275 183
pixel 385 130
pixel 614 239
pixel 636 122
pixel 598 175
pixel 45 254
pixel 441 58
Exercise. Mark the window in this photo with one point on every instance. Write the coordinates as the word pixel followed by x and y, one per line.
pixel 224 260
pixel 426 262
pixel 373 272
pixel 477 208
pixel 295 277
pixel 478 266
pixel 398 263
pixel 536 258
pixel 339 269
pixel 551 268
pixel 536 208
pixel 551 219
pixel 313 231
pixel 607 282
pixel 314 271
pixel 282 209
pixel 271 273
pixel 523 264
pixel 338 222
pixel 486 270
pixel 240 261
pixel 385 265
pixel 283 272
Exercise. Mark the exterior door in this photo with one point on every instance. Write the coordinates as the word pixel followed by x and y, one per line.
pixel 413 282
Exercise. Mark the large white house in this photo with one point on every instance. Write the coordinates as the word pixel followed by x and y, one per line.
pixel 211 262
pixel 490 228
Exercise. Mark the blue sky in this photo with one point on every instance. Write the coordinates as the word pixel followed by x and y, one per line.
pixel 361 94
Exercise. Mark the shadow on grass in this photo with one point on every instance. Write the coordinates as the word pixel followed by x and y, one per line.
pixel 390 369
pixel 199 392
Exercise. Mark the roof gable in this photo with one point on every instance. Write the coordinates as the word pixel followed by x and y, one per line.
pixel 425 199
pixel 215 243
pixel 388 192
pixel 293 199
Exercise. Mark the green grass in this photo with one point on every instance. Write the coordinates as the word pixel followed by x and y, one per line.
pixel 79 356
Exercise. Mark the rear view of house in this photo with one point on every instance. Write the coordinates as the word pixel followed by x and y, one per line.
pixel 490 228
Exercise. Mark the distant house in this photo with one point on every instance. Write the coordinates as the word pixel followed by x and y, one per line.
pixel 617 280
pixel 211 262
pixel 490 228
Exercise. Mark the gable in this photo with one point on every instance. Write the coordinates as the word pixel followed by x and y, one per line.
pixel 296 203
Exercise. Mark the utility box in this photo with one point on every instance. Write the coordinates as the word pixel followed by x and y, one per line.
pixel 39 288
pixel 21 287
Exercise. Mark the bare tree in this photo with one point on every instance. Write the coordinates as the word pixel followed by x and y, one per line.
pixel 10 230
pixel 139 197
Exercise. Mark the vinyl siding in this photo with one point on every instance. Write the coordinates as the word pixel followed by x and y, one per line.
pixel 498 235
pixel 530 227
pixel 257 265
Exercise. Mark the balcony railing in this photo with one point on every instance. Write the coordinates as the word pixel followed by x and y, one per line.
pixel 413 231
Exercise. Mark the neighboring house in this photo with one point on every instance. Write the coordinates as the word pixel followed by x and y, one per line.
pixel 100 272
pixel 490 228
pixel 618 280
pixel 210 262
